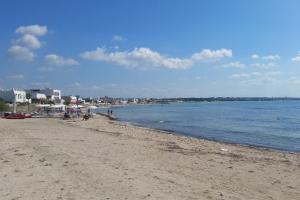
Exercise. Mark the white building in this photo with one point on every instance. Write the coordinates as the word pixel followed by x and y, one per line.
pixel 13 95
pixel 52 94
pixel 73 99
pixel 36 94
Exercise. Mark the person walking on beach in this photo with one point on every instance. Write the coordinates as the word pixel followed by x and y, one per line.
pixel 111 112
pixel 78 113
pixel 108 112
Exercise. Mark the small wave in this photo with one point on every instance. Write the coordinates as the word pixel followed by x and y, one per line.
pixel 164 121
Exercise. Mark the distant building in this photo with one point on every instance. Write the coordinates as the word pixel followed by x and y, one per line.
pixel 70 99
pixel 80 100
pixel 133 100
pixel 52 94
pixel 73 99
pixel 36 94
pixel 13 95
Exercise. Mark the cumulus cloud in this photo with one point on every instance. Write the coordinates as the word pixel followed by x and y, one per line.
pixel 20 53
pixel 207 54
pixel 234 65
pixel 271 57
pixel 145 57
pixel 255 56
pixel 118 38
pixel 296 58
pixel 60 61
pixel 263 65
pixel 16 76
pixel 22 48
pixel 240 75
pixel 29 41
pixel 32 30
pixel 257 77
pixel 139 57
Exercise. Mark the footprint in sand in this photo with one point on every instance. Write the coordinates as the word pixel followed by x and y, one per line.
pixel 20 154
pixel 42 160
pixel 47 164
pixel 65 163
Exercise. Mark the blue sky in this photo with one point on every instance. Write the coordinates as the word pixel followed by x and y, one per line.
pixel 152 48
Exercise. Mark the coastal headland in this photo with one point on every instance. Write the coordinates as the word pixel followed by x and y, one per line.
pixel 104 159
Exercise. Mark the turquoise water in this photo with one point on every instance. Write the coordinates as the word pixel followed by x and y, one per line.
pixel 268 124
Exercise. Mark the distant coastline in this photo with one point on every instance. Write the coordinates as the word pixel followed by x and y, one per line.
pixel 213 99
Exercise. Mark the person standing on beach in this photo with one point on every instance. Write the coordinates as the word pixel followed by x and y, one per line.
pixel 111 112
pixel 108 112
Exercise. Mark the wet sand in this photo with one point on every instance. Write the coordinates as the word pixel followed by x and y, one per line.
pixel 102 159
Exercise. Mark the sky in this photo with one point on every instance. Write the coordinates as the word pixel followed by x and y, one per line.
pixel 143 48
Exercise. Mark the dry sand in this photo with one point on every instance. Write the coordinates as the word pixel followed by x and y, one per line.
pixel 101 159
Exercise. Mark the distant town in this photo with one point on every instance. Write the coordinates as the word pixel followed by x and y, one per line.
pixel 54 96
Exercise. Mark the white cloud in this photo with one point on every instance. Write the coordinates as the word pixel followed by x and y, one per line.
pixel 241 75
pixel 257 77
pixel 32 30
pixel 297 58
pixel 29 41
pixel 255 56
pixel 145 57
pixel 266 58
pixel 234 65
pixel 263 65
pixel 271 57
pixel 20 53
pixel 60 61
pixel 118 38
pixel 139 57
pixel 22 47
pixel 16 76
pixel 207 54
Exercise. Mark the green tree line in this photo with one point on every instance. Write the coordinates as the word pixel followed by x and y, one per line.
pixel 3 106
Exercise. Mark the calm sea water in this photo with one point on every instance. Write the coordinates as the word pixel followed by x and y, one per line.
pixel 269 124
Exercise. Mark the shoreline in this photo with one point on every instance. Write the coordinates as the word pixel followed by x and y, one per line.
pixel 104 159
pixel 174 134
pixel 171 132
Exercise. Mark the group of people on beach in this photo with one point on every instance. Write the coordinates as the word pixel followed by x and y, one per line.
pixel 109 112
pixel 77 113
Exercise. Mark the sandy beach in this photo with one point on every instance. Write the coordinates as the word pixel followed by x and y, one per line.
pixel 103 159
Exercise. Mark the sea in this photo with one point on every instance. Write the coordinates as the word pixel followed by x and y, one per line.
pixel 267 124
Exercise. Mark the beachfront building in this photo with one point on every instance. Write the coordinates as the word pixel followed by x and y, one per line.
pixel 70 99
pixel 73 99
pixel 133 100
pixel 80 100
pixel 13 95
pixel 45 95
pixel 36 94
pixel 52 94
